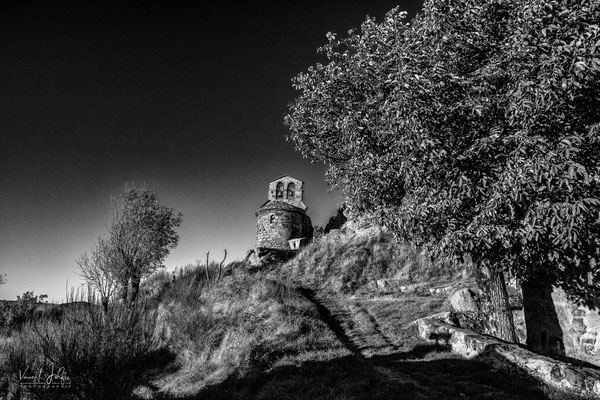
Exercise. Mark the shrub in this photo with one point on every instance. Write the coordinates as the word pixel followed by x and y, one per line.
pixel 13 315
pixel 104 354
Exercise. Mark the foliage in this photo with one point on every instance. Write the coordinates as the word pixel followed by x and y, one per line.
pixel 141 234
pixel 15 314
pixel 142 229
pixel 473 130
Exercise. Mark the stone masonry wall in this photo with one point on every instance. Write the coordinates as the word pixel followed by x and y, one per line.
pixel 580 326
pixel 556 318
pixel 298 191
pixel 276 227
pixel 501 355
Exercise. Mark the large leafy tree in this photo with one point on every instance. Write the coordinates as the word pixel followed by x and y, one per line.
pixel 474 130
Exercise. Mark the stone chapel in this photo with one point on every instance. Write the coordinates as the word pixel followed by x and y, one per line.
pixel 282 222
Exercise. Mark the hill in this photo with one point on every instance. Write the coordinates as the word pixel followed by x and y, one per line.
pixel 327 324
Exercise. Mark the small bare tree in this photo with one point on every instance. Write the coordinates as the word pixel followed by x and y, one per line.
pixel 102 270
pixel 216 275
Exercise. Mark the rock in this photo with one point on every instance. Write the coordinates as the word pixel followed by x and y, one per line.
pixel 464 301
pixel 580 326
pixel 561 375
pixel 382 283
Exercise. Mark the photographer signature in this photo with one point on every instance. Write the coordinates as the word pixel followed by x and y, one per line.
pixel 54 378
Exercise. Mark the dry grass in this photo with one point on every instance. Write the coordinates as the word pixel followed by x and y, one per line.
pixel 105 354
pixel 351 264
pixel 394 314
pixel 235 326
pixel 423 372
pixel 246 336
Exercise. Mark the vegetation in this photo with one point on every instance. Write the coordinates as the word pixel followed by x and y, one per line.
pixel 245 335
pixel 473 130
pixel 351 264
pixel 235 326
pixel 105 354
pixel 141 234
pixel 102 270
pixel 14 315
pixel 470 132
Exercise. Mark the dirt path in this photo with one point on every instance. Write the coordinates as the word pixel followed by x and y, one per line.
pixel 429 372
pixel 353 325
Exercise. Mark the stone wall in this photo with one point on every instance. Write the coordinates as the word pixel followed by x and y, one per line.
pixel 580 326
pixel 561 375
pixel 544 333
pixel 562 326
pixel 298 191
pixel 276 227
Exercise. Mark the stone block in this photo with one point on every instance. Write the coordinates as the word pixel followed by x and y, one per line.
pixel 561 375
pixel 464 300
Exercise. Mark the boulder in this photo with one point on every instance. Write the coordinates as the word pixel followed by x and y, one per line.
pixel 464 300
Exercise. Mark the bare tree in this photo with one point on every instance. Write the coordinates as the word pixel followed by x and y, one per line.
pixel 216 274
pixel 102 270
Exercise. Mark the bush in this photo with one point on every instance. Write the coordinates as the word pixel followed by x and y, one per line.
pixel 13 315
pixel 105 354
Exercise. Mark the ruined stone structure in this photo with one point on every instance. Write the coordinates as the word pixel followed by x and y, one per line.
pixel 282 221
pixel 558 325
pixel 577 325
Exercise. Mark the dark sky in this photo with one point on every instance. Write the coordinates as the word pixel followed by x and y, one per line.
pixel 189 101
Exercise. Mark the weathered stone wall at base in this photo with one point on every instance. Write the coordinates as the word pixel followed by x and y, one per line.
pixel 276 227
pixel 562 327
pixel 580 326
pixel 558 374
pixel 558 318
pixel 543 329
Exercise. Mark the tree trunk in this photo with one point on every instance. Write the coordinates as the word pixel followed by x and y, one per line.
pixel 496 306
pixel 544 334
pixel 135 286
pixel 124 288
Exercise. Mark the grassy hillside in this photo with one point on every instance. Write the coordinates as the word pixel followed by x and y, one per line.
pixel 247 335
pixel 353 263
pixel 188 333
pixel 236 326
